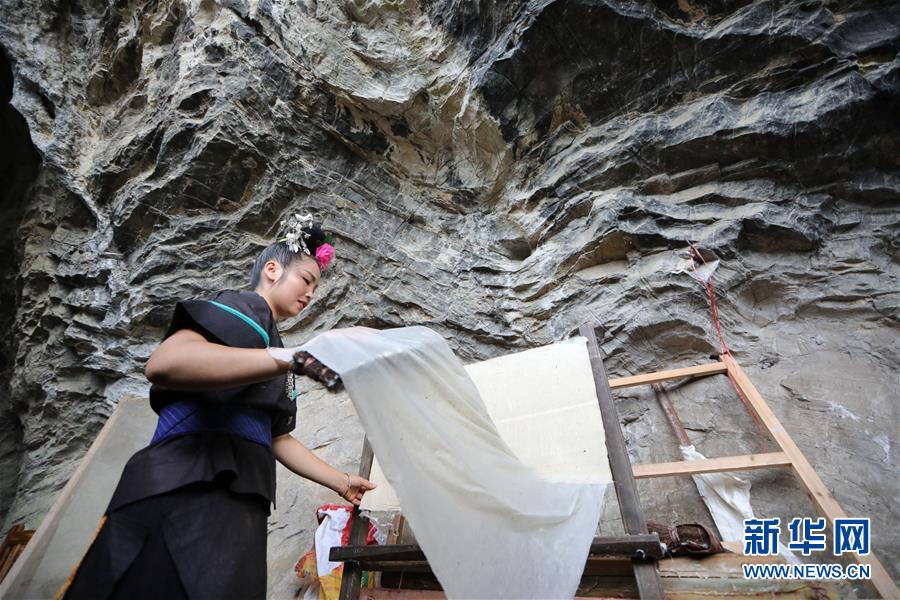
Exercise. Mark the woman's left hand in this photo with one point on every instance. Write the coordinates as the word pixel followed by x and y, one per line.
pixel 354 487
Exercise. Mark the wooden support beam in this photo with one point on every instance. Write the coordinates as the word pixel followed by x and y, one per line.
pixel 630 546
pixel 668 407
pixel 815 487
pixel 41 539
pixel 375 554
pixel 645 573
pixel 745 462
pixel 351 578
pixel 648 378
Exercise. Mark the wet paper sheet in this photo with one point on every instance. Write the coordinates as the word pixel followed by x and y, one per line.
pixel 491 525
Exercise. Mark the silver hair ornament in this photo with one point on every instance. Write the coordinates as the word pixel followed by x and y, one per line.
pixel 296 237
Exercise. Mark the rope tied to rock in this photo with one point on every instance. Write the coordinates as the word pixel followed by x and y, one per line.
pixel 723 347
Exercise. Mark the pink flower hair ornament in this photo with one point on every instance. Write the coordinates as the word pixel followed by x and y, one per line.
pixel 324 254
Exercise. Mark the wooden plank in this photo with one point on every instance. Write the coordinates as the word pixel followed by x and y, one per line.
pixel 648 378
pixel 818 492
pixel 402 594
pixel 374 554
pixel 730 588
pixel 696 578
pixel 399 566
pixel 395 533
pixel 645 573
pixel 44 532
pixel 350 580
pixel 595 566
pixel 641 546
pixel 693 589
pixel 12 548
pixel 745 462
pixel 6 563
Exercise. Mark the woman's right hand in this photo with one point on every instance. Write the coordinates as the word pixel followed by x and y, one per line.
pixel 354 489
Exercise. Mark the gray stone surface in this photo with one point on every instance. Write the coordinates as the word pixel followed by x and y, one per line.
pixel 500 171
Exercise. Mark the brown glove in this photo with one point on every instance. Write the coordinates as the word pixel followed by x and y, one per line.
pixel 306 364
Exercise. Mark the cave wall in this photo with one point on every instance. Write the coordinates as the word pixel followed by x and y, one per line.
pixel 19 164
pixel 500 171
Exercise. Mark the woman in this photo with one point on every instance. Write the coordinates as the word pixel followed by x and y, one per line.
pixel 188 517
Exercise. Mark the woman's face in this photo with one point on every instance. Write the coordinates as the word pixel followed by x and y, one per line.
pixel 294 286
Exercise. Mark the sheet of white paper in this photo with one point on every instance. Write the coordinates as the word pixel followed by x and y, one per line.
pixel 490 526
pixel 544 405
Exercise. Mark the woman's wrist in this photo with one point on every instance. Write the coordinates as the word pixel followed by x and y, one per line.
pixel 283 358
pixel 343 484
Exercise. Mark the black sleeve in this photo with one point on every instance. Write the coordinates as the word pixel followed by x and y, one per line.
pixel 284 422
pixel 235 319
pixel 224 319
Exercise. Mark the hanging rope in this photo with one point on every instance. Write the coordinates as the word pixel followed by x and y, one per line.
pixel 723 347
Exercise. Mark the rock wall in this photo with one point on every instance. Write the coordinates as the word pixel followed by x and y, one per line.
pixel 500 171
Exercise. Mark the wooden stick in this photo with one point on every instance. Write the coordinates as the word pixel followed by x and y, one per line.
pixel 641 546
pixel 815 487
pixel 665 402
pixel 647 378
pixel 746 462
pixel 350 580
pixel 645 573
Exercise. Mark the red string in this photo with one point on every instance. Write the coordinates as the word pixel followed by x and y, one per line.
pixel 723 347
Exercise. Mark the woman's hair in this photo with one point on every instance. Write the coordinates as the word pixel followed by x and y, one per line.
pixel 280 252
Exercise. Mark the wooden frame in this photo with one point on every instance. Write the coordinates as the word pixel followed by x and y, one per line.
pixel 788 456
pixel 645 572
pixel 373 558
pixel 641 547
